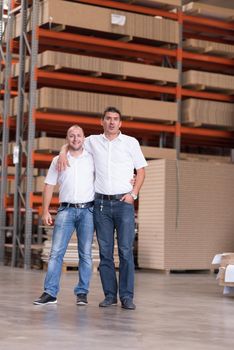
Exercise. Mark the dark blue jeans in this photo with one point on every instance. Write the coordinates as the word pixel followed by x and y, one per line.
pixel 111 215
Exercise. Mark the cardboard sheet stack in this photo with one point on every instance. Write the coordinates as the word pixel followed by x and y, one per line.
pixel 69 101
pixel 201 9
pixel 186 214
pixel 208 81
pixel 209 47
pixel 102 66
pixel 225 276
pixel 207 112
pixel 94 18
pixel 52 144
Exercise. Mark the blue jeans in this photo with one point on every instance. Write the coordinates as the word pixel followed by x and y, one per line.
pixel 108 216
pixel 68 220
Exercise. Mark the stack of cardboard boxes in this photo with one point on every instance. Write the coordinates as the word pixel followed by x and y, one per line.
pixel 185 214
pixel 225 277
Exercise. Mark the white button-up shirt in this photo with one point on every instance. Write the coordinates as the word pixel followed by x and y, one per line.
pixel 76 183
pixel 114 162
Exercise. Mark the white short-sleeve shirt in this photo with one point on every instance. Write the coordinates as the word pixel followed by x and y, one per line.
pixel 76 183
pixel 115 162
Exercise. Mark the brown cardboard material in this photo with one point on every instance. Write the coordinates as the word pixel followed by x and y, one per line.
pixel 100 66
pixel 67 101
pixel 207 112
pixel 208 80
pixel 186 214
pixel 201 9
pixel 57 12
pixel 220 49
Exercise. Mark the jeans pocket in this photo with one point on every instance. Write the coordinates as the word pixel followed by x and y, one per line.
pixel 61 208
pixel 91 209
pixel 126 203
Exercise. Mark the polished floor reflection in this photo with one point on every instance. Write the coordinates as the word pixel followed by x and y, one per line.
pixel 174 311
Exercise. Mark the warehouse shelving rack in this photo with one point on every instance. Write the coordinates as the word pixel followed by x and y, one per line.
pixel 189 26
pixel 7 60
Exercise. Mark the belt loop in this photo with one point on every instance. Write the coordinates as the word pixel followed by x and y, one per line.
pixel 68 205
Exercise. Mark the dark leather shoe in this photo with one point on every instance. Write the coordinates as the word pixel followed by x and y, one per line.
pixel 108 301
pixel 128 304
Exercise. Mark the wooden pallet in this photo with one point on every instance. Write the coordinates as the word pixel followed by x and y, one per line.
pixel 71 267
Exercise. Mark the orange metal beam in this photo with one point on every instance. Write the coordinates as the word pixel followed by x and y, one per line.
pixel 207 58
pixel 13 93
pixel 121 48
pixel 37 200
pixel 203 36
pixel 130 125
pixel 42 157
pixel 198 20
pixel 207 95
pixel 207 132
pixel 71 79
pixel 77 81
pixel 199 28
pixel 87 120
pixel 77 39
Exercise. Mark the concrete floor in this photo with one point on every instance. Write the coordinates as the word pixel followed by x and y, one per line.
pixel 175 311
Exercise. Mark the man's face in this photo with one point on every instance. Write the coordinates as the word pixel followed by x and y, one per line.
pixel 111 123
pixel 75 138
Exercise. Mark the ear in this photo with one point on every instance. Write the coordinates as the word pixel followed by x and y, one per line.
pixel 101 122
pixel 120 123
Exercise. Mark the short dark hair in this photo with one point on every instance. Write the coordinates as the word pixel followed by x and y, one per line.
pixel 113 110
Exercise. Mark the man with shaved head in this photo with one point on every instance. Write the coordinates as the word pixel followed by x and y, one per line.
pixel 76 197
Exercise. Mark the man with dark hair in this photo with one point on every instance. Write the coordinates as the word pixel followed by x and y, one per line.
pixel 115 157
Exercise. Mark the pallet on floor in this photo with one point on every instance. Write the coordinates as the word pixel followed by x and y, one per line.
pixel 71 267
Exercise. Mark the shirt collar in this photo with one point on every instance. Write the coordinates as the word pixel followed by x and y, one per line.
pixel 83 154
pixel 119 137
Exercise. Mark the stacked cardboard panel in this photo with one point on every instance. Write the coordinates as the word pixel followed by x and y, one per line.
pixel 57 12
pixel 201 9
pixel 52 144
pixel 209 47
pixel 49 144
pixel 93 103
pixel 186 214
pixel 192 157
pixel 205 112
pixel 59 60
pixel 158 153
pixel 210 81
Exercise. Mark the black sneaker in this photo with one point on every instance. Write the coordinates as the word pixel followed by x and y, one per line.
pixel 81 299
pixel 108 301
pixel 45 299
pixel 127 304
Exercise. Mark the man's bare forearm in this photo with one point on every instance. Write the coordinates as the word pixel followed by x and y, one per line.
pixel 140 176
pixel 64 149
pixel 47 196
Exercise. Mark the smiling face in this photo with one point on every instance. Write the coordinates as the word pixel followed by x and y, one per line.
pixel 75 138
pixel 111 124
